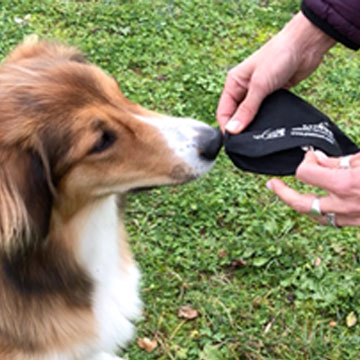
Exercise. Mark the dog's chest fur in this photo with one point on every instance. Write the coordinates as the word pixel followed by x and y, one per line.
pixel 116 300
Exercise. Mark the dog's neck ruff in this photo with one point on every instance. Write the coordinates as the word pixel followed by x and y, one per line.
pixel 115 302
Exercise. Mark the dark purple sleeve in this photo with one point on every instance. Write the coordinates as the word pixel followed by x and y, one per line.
pixel 340 19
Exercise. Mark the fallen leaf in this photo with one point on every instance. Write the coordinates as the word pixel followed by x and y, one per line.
pixel 256 302
pixel 147 344
pixel 238 263
pixel 269 325
pixel 317 262
pixel 19 20
pixel 339 250
pixel 332 323
pixel 187 312
pixel 162 78
pixel 222 253
pixel 194 334
pixel 351 319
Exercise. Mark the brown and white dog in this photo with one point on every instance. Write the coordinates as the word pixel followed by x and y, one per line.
pixel 70 143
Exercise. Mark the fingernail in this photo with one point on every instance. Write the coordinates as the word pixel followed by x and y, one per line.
pixel 269 185
pixel 320 155
pixel 234 126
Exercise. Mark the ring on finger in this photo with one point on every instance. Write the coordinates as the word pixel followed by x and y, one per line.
pixel 345 162
pixel 331 219
pixel 315 207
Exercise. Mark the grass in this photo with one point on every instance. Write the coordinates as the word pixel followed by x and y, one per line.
pixel 172 56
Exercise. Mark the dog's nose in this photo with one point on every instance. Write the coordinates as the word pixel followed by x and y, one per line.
pixel 210 141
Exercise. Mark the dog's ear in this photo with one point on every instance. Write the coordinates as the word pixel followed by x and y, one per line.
pixel 32 47
pixel 27 49
pixel 26 197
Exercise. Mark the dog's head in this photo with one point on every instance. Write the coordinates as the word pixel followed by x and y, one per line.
pixel 68 135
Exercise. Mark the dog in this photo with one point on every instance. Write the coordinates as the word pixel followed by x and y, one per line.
pixel 71 145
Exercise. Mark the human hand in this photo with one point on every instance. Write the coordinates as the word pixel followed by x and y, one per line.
pixel 341 184
pixel 291 56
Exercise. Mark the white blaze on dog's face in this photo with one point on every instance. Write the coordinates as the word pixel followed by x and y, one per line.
pixel 189 140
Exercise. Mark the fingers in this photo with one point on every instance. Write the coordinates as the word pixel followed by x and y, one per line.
pixel 342 220
pixel 244 88
pixel 347 210
pixel 303 202
pixel 234 92
pixel 326 161
pixel 299 202
pixel 335 162
pixel 227 106
pixel 246 111
pixel 328 178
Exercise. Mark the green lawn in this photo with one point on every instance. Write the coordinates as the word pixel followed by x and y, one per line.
pixel 275 303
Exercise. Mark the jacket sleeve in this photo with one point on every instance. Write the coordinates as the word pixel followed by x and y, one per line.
pixel 340 19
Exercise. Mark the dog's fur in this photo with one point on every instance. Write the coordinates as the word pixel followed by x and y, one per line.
pixel 70 143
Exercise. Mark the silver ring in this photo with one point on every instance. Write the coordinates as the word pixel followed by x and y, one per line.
pixel 315 208
pixel 345 162
pixel 331 219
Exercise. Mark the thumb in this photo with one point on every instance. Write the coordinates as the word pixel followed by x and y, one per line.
pixel 246 111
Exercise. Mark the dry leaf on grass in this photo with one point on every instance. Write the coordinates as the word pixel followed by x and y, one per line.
pixel 187 312
pixel 269 325
pixel 222 253
pixel 147 344
pixel 351 319
pixel 238 263
pixel 317 262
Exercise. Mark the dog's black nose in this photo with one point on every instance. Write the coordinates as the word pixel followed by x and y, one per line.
pixel 210 141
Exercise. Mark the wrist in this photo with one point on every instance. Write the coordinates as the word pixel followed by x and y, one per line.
pixel 307 38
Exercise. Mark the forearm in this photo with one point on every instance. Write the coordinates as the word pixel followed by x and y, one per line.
pixel 340 19
pixel 306 38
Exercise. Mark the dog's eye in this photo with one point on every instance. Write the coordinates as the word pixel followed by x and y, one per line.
pixel 106 140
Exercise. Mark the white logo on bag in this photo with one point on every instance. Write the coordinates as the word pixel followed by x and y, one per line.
pixel 270 134
pixel 320 131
